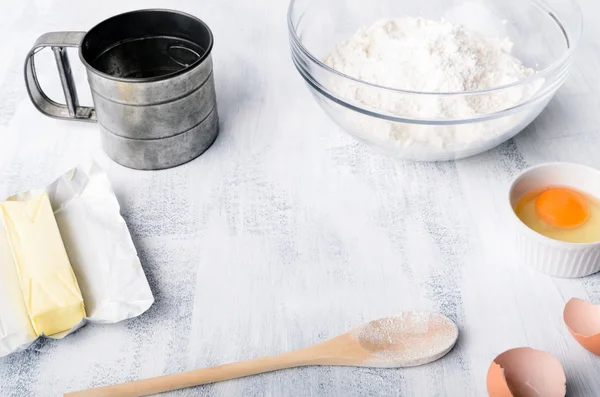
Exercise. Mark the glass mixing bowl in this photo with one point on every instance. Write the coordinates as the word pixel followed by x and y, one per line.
pixel 544 35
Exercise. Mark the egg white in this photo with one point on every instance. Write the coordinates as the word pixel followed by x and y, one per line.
pixel 588 232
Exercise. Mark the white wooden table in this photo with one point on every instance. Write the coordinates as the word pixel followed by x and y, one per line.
pixel 287 231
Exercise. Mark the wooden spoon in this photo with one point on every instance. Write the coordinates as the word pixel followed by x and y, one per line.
pixel 406 340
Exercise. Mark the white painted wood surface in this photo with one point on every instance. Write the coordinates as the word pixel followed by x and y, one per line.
pixel 287 231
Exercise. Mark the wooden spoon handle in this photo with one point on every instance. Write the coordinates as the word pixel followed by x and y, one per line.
pixel 197 377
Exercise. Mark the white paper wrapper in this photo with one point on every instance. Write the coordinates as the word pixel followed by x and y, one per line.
pixel 101 252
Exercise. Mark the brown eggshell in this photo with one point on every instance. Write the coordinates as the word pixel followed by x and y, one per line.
pixel 526 372
pixel 496 384
pixel 583 320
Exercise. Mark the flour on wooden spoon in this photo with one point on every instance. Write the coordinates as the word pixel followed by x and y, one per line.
pixel 406 340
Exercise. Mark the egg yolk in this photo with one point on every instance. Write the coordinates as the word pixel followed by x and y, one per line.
pixel 562 208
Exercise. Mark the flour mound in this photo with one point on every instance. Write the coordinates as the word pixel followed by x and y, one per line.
pixel 422 55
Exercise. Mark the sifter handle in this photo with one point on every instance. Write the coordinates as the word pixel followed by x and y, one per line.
pixel 58 41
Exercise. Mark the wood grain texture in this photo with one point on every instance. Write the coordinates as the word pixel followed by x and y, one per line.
pixel 287 231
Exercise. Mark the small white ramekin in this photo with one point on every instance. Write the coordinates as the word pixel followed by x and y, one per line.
pixel 549 256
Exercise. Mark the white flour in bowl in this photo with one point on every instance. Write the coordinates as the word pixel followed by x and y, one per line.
pixel 421 55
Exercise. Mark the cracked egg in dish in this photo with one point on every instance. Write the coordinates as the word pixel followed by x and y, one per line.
pixel 554 219
pixel 561 213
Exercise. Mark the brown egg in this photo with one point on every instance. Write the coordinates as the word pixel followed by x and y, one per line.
pixel 526 372
pixel 583 320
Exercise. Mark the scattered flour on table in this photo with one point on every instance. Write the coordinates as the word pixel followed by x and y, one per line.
pixel 417 54
pixel 406 340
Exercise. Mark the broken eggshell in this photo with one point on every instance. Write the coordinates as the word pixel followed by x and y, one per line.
pixel 526 372
pixel 583 320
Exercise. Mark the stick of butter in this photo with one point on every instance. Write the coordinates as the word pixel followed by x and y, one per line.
pixel 50 290
pixel 15 327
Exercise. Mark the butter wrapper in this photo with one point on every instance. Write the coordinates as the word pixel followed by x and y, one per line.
pixel 101 252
